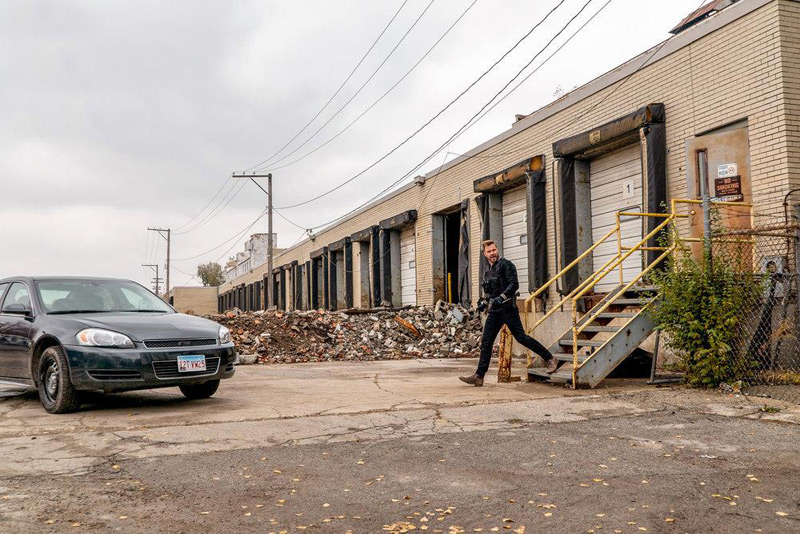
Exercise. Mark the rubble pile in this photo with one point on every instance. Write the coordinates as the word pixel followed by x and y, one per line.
pixel 441 331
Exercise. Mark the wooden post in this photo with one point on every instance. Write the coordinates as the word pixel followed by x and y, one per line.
pixel 504 356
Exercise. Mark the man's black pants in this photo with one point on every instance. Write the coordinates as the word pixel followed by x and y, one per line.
pixel 506 316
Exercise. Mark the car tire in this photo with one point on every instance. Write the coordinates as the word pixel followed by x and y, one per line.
pixel 55 385
pixel 200 391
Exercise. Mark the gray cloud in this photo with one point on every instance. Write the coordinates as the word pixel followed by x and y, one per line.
pixel 120 115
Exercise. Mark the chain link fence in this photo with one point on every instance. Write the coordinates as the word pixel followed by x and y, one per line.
pixel 767 345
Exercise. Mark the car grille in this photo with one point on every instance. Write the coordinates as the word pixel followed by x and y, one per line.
pixel 178 343
pixel 115 374
pixel 166 369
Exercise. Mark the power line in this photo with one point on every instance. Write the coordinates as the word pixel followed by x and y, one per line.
pixel 337 90
pixel 439 113
pixel 484 111
pixel 236 236
pixel 219 208
pixel 438 149
pixel 593 107
pixel 391 53
pixel 204 207
pixel 392 88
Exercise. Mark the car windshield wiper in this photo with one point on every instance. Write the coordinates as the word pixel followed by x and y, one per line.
pixel 150 311
pixel 65 312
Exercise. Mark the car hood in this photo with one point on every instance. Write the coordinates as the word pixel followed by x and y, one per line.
pixel 141 326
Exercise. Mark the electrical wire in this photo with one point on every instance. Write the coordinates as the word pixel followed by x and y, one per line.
pixel 592 108
pixel 384 95
pixel 236 236
pixel 204 207
pixel 439 113
pixel 337 90
pixel 438 149
pixel 211 215
pixel 391 53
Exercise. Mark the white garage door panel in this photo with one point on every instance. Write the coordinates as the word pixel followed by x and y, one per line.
pixel 608 174
pixel 515 225
pixel 408 270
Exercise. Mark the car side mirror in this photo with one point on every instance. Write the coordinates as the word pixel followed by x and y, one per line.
pixel 18 309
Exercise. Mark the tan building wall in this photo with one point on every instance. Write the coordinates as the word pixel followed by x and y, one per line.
pixel 790 54
pixel 741 64
pixel 194 300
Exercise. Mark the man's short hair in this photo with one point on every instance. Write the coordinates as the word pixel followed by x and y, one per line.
pixel 487 243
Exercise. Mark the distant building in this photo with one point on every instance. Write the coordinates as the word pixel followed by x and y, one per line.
pixel 255 254
pixel 194 300
pixel 723 90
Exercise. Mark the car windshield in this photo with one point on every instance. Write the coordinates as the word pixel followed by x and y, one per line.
pixel 97 296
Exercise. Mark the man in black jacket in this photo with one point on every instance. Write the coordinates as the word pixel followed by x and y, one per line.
pixel 500 287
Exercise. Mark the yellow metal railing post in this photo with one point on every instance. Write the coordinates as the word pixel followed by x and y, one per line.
pixel 574 345
pixel 619 245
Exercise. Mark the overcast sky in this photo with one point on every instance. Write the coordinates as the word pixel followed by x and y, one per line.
pixel 116 116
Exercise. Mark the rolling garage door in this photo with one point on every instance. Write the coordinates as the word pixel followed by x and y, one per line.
pixel 408 269
pixel 616 185
pixel 515 235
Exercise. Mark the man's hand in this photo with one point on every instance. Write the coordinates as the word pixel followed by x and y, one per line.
pixel 496 302
pixel 481 307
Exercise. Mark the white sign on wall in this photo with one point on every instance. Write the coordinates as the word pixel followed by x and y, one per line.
pixel 727 170
pixel 628 189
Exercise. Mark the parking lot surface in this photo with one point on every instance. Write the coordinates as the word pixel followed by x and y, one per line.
pixel 400 446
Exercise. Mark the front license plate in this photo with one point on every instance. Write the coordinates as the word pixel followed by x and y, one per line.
pixel 187 364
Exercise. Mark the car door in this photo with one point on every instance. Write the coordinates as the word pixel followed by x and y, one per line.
pixel 16 332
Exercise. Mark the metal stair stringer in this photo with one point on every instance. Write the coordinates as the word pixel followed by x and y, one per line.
pixel 608 353
pixel 616 349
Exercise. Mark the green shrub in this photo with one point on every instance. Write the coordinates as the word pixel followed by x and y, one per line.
pixel 702 307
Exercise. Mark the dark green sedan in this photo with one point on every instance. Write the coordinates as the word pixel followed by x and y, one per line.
pixel 66 335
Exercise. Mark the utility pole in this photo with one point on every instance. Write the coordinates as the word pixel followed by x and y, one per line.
pixel 167 237
pixel 252 177
pixel 157 279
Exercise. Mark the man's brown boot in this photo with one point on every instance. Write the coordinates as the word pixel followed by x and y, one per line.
pixel 552 366
pixel 475 380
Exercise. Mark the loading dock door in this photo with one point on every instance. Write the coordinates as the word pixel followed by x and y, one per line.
pixel 616 184
pixel 408 269
pixel 515 235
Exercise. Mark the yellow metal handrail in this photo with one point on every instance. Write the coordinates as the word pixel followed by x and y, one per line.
pixel 620 258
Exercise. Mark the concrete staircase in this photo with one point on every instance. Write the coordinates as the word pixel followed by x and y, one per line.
pixel 606 341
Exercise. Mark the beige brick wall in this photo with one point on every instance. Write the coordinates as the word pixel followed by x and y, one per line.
pixel 739 71
pixel 195 300
pixel 790 53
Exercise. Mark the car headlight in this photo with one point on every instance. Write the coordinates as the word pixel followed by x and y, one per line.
pixel 224 335
pixel 97 337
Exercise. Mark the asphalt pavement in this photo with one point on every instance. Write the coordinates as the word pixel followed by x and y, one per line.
pixel 401 446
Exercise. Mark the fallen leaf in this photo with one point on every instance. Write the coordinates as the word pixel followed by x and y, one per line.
pixel 123 517
pixel 278 471
pixel 782 514
pixel 548 514
pixel 669 520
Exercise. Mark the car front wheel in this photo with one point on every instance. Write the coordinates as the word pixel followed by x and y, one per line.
pixel 55 386
pixel 200 391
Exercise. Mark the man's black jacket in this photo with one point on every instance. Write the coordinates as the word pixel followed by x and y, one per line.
pixel 501 281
